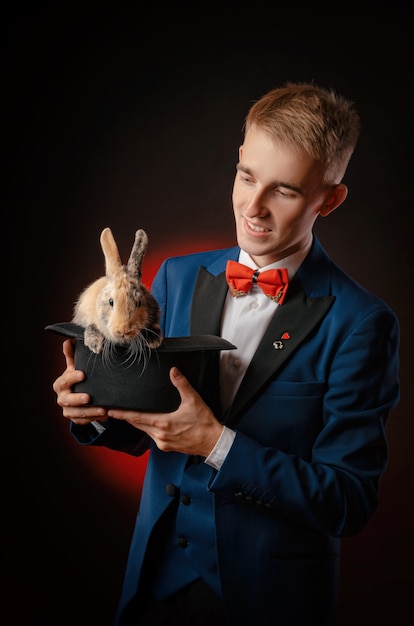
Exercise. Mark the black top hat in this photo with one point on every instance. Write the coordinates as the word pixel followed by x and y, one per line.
pixel 142 383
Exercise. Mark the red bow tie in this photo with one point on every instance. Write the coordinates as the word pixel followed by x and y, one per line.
pixel 274 283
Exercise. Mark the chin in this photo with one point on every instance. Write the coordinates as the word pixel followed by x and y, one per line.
pixel 253 248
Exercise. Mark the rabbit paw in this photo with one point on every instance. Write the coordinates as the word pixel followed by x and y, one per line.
pixel 93 339
pixel 154 337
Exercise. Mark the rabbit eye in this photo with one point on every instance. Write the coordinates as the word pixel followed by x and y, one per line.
pixel 139 303
pixel 111 302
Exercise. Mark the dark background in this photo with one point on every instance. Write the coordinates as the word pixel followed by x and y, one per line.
pixel 132 119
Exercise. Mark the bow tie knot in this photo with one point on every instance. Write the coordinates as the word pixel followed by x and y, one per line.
pixel 240 278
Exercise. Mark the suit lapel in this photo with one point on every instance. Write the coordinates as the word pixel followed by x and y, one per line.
pixel 207 305
pixel 297 317
pixel 290 325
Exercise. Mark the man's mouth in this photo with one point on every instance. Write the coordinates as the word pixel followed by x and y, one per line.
pixel 256 229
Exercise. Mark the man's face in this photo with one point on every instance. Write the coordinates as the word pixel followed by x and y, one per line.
pixel 277 196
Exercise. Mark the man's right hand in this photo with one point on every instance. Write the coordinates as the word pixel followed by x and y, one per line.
pixel 74 404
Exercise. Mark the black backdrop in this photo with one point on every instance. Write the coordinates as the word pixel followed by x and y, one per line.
pixel 132 119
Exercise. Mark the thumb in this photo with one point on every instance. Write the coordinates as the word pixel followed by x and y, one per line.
pixel 187 392
pixel 177 378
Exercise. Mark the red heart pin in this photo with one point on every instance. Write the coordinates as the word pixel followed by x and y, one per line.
pixel 285 336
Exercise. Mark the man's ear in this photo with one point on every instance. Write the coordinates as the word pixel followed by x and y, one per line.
pixel 335 198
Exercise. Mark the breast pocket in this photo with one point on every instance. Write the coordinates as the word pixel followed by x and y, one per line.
pixel 287 415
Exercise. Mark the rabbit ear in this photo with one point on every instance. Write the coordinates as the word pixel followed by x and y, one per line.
pixel 137 253
pixel 112 259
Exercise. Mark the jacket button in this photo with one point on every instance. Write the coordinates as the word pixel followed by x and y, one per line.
pixel 171 490
pixel 182 542
pixel 185 499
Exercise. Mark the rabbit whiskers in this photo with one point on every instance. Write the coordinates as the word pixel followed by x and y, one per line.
pixel 133 351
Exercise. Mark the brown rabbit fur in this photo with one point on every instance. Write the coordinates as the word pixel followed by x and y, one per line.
pixel 117 308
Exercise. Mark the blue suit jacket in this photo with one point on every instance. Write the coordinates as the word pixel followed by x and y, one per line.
pixel 310 447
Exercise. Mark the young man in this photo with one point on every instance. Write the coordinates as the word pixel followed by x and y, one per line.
pixel 243 511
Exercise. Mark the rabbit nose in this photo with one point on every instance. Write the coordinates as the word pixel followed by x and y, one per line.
pixel 122 333
pixel 128 333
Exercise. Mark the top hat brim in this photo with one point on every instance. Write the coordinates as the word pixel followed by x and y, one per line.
pixel 141 382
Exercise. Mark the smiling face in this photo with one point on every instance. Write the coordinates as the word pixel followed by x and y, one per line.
pixel 278 193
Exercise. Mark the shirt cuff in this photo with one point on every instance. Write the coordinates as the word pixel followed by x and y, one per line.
pixel 98 426
pixel 221 449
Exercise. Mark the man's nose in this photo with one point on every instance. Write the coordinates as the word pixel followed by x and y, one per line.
pixel 256 206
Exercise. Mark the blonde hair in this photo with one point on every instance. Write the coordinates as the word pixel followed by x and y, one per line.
pixel 311 119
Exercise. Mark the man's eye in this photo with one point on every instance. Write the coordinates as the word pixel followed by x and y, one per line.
pixel 285 193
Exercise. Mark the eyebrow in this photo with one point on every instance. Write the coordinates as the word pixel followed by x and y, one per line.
pixel 275 183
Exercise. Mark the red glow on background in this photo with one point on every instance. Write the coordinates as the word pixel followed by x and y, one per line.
pixel 124 471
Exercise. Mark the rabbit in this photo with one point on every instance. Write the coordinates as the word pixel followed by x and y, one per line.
pixel 117 308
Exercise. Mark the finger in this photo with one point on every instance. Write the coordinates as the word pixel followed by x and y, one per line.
pixel 65 382
pixel 77 400
pixel 84 415
pixel 69 351
pixel 131 416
